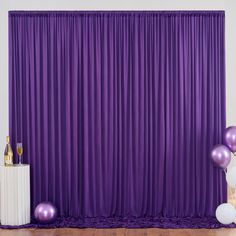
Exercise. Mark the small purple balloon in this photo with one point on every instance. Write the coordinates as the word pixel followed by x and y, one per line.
pixel 230 138
pixel 221 156
pixel 45 212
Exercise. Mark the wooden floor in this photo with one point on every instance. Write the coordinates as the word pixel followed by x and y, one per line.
pixel 118 232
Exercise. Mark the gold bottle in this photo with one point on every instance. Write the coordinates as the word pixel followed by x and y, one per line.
pixel 8 153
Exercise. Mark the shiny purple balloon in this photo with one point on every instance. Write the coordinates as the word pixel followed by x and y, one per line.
pixel 221 156
pixel 45 212
pixel 230 138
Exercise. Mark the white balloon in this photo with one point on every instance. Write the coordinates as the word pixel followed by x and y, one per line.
pixel 231 177
pixel 225 213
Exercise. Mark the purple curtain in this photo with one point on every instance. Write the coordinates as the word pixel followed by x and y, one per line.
pixel 118 111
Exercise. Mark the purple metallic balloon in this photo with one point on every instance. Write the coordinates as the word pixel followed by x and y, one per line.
pixel 45 212
pixel 221 156
pixel 230 138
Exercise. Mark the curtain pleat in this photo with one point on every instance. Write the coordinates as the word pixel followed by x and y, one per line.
pixel 118 111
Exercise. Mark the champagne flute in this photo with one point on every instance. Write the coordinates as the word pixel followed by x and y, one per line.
pixel 19 149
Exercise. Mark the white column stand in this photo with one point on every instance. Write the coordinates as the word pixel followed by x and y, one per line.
pixel 15 194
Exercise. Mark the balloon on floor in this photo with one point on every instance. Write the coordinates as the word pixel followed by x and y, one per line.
pixel 225 213
pixel 45 212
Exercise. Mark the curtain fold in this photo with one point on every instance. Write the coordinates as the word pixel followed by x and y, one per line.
pixel 118 111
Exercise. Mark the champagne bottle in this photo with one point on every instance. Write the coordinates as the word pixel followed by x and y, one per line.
pixel 8 153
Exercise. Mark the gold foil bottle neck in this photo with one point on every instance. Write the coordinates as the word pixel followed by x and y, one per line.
pixel 8 139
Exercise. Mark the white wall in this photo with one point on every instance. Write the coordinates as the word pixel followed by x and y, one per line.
pixel 231 61
pixel 6 5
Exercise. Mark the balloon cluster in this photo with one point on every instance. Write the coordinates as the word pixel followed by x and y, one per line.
pixel 221 156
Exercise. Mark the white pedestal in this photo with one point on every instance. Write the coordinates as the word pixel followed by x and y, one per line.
pixel 15 194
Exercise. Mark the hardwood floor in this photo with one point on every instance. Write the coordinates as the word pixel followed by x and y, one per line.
pixel 118 232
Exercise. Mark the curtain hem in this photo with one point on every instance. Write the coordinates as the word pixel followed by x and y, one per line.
pixel 128 222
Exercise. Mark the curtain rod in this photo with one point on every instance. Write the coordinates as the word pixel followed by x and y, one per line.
pixel 118 12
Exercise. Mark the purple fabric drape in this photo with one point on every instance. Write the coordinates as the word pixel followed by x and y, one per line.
pixel 118 111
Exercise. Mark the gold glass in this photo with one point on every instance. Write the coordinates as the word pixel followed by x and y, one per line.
pixel 19 149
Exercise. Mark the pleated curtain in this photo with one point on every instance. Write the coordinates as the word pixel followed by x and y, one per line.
pixel 118 111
